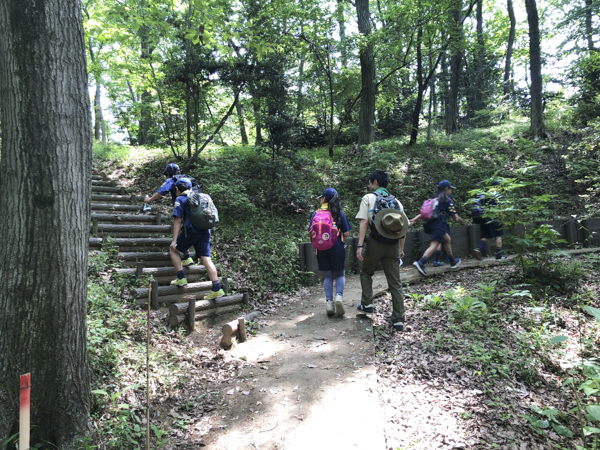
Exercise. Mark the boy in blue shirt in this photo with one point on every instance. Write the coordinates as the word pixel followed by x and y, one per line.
pixel 185 235
pixel 168 186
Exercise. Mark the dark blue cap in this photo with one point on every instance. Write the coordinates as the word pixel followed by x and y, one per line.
pixel 328 194
pixel 445 184
pixel 171 169
pixel 183 182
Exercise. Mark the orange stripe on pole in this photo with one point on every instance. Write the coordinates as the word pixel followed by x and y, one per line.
pixel 24 411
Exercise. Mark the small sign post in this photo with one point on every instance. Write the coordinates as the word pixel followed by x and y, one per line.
pixel 24 411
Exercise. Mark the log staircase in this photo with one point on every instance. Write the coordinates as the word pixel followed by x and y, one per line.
pixel 141 241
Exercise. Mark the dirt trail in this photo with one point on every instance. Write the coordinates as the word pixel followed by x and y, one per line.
pixel 312 383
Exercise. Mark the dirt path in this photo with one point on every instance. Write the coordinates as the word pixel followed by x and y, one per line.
pixel 311 383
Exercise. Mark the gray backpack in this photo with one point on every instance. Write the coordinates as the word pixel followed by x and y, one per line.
pixel 204 214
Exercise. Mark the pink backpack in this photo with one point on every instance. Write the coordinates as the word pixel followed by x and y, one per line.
pixel 428 209
pixel 323 230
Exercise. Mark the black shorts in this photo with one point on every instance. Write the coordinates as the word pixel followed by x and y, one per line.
pixel 333 258
pixel 491 230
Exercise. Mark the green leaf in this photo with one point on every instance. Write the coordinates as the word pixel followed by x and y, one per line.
pixel 593 311
pixel 590 430
pixel 543 424
pixel 99 392
pixel 548 412
pixel 594 411
pixel 557 339
pixel 563 431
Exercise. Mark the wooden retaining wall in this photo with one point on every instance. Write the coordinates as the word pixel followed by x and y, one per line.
pixel 585 233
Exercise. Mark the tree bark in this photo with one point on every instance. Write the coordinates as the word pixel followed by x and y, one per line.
pixel 146 101
pixel 257 115
pixel 508 85
pixel 538 127
pixel 240 114
pixel 46 186
pixel 478 103
pixel 343 40
pixel 419 103
pixel 589 29
pixel 366 115
pixel 99 130
pixel 456 35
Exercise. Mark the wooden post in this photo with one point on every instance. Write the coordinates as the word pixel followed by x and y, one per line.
pixel 242 330
pixel 302 257
pixel 158 218
pixel 571 232
pixel 154 290
pixel 585 233
pixel 472 238
pixel 94 228
pixel 191 313
pixel 139 269
pixel 24 411
pixel 246 298
pixel 116 249
pixel 123 190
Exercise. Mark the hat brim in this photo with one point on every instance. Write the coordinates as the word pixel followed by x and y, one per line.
pixel 385 233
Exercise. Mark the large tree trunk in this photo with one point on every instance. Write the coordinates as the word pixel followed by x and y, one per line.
pixel 366 116
pixel 342 24
pixel 146 101
pixel 44 226
pixel 256 100
pixel 457 37
pixel 589 29
pixel 508 85
pixel 538 127
pixel 419 103
pixel 240 114
pixel 478 103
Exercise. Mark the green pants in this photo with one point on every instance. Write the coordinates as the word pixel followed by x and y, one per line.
pixel 389 256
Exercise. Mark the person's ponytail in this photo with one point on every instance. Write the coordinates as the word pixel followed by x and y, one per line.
pixel 335 209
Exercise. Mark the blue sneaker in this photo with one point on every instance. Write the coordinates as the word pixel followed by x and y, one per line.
pixel 438 264
pixel 420 268
pixel 456 263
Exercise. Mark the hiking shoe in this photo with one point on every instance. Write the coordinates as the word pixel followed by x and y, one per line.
pixel 477 254
pixel 179 282
pixel 420 268
pixel 215 294
pixel 338 304
pixel 187 262
pixel 502 257
pixel 366 309
pixel 329 307
pixel 398 326
pixel 438 264
pixel 456 263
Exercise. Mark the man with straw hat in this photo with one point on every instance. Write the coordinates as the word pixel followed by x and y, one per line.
pixel 382 215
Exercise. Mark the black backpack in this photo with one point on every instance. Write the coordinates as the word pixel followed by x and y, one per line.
pixel 382 202
pixel 195 186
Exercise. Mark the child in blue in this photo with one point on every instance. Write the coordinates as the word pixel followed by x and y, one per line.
pixel 185 235
pixel 440 230
pixel 490 229
pixel 168 186
pixel 333 260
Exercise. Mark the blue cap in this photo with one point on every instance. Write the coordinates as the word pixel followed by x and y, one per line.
pixel 328 194
pixel 171 169
pixel 183 182
pixel 445 184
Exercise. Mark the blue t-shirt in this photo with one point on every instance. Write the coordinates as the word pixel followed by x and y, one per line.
pixel 168 186
pixel 446 209
pixel 344 226
pixel 182 210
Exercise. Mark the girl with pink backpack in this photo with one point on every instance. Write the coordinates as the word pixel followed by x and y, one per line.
pixel 328 228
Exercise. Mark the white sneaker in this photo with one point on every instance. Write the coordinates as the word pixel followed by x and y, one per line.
pixel 329 308
pixel 338 304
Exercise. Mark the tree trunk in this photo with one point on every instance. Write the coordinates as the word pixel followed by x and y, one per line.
pixel 508 85
pixel 367 73
pixel 589 29
pixel 457 37
pixel 342 24
pixel 480 81
pixel 538 127
pixel 419 103
pixel 46 186
pixel 97 108
pixel 257 115
pixel 240 114
pixel 146 101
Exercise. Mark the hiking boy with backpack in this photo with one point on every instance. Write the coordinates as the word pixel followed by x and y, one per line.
pixel 438 212
pixel 186 235
pixel 172 174
pixel 328 228
pixel 490 229
pixel 383 216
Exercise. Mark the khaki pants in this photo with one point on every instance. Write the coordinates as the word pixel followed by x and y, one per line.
pixel 389 256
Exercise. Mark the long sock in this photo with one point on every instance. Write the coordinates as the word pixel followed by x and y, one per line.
pixel 216 286
pixel 498 252
pixel 452 259
pixel 422 261
pixel 436 258
pixel 481 246
pixel 180 274
pixel 328 284
pixel 340 282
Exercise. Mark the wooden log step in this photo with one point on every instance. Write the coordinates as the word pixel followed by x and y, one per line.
pixel 119 207
pixel 155 264
pixel 110 189
pixel 180 309
pixel 145 256
pixel 208 313
pixel 164 271
pixel 237 328
pixel 107 228
pixel 177 292
pixel 156 219
pixel 101 182
pixel 104 198
pixel 98 176
pixel 126 235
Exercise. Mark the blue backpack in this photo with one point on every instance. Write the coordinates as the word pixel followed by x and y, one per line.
pixel 478 210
